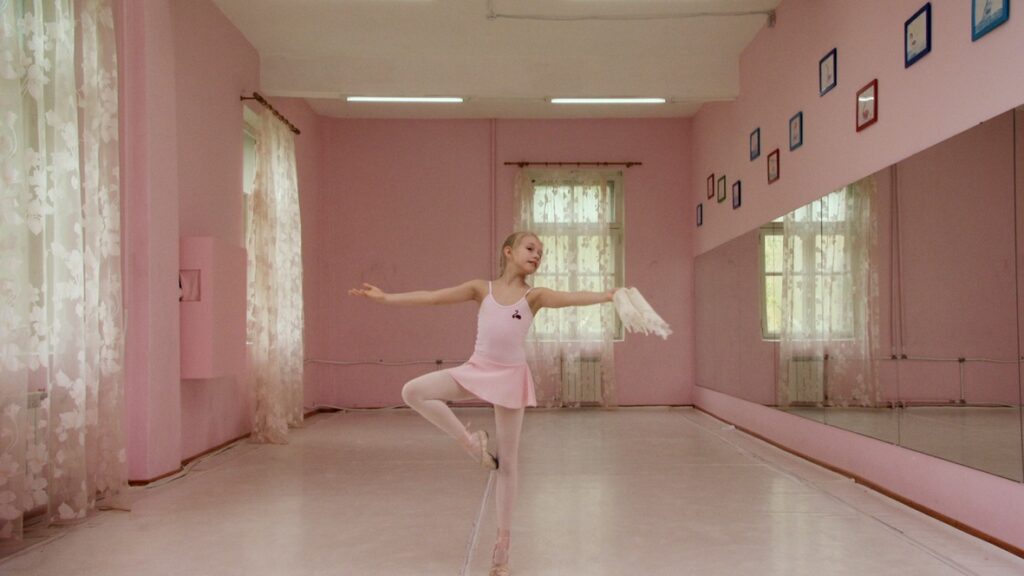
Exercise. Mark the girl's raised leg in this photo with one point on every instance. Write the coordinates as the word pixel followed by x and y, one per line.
pixel 428 395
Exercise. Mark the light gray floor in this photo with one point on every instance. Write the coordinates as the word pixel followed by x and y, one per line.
pixel 631 491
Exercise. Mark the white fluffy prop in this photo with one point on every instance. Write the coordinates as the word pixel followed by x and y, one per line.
pixel 637 315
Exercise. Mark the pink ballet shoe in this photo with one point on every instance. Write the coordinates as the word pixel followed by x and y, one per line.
pixel 487 461
pixel 499 557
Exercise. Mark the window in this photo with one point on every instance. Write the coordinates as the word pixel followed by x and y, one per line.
pixel 582 231
pixel 250 129
pixel 771 279
pixel 822 279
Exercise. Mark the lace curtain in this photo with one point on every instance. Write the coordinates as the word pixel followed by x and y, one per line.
pixel 572 212
pixel 829 329
pixel 61 334
pixel 275 321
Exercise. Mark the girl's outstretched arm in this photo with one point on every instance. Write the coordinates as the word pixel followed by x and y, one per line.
pixel 461 293
pixel 548 298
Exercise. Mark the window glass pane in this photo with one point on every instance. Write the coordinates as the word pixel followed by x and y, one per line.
pixel 773 304
pixel 798 254
pixel 594 251
pixel 588 204
pixel 773 253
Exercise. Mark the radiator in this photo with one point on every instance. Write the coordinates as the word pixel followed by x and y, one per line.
pixel 581 380
pixel 807 380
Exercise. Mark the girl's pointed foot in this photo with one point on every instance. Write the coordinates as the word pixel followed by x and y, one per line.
pixel 499 557
pixel 475 444
pixel 486 459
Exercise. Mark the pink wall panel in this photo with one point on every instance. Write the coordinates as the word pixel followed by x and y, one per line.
pixel 214 65
pixel 957 85
pixel 957 231
pixel 150 236
pixel 406 206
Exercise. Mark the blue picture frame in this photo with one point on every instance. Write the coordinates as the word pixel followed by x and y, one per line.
pixel 755 144
pixel 796 131
pixel 737 189
pixel 700 214
pixel 988 16
pixel 828 72
pixel 917 36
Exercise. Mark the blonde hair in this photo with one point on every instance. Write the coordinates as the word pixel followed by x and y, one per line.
pixel 512 241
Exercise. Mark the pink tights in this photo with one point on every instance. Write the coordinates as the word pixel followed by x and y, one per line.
pixel 428 395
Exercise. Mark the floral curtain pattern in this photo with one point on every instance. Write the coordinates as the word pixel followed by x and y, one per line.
pixel 830 299
pixel 571 211
pixel 61 332
pixel 275 312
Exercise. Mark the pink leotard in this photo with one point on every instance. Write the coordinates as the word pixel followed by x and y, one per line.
pixel 497 371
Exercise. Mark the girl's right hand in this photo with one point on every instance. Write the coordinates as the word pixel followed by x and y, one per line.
pixel 369 291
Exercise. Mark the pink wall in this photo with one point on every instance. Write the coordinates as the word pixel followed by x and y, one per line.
pixel 183 68
pixel 959 84
pixel 214 64
pixel 426 192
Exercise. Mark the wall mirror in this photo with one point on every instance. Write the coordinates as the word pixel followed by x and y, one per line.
pixel 890 308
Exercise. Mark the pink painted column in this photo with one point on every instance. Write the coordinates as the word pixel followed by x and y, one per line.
pixel 149 180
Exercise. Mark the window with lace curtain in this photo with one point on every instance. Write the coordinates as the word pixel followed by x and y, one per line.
pixel 819 261
pixel 580 223
pixel 250 131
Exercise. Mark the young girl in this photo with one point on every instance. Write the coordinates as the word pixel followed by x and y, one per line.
pixel 496 372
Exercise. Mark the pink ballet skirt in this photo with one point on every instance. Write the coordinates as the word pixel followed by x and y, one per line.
pixel 497 371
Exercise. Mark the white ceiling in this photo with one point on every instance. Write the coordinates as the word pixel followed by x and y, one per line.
pixel 504 56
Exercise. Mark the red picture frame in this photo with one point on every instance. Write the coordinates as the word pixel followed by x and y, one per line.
pixel 711 185
pixel 774 169
pixel 867 105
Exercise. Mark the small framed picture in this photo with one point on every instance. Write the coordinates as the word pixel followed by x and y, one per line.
pixel 755 144
pixel 711 186
pixel 721 188
pixel 773 166
pixel 700 214
pixel 867 105
pixel 796 131
pixel 827 73
pixel 736 190
pixel 987 15
pixel 917 35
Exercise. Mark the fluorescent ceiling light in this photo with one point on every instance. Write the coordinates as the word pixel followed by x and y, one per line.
pixel 401 99
pixel 607 100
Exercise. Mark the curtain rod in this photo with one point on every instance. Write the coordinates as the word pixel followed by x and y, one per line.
pixel 257 97
pixel 626 164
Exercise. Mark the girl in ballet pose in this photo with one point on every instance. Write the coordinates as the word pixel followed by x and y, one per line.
pixel 497 372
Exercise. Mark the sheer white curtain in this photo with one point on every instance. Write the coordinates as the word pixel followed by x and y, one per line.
pixel 275 323
pixel 830 300
pixel 61 339
pixel 572 212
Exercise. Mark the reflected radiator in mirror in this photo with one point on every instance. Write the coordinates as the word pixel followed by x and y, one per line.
pixel 807 380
